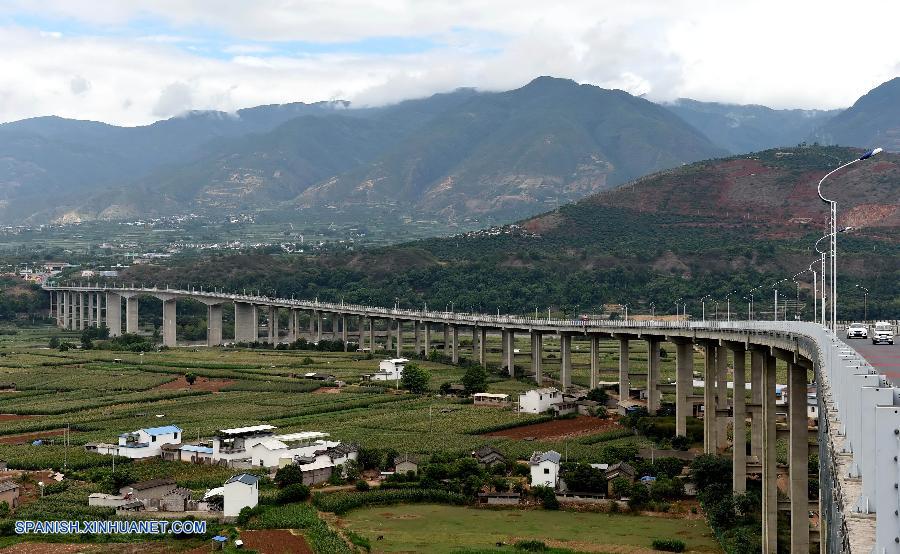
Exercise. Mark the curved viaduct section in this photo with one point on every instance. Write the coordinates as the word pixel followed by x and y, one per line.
pixel 858 433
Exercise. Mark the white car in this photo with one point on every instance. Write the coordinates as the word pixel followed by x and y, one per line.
pixel 883 333
pixel 857 331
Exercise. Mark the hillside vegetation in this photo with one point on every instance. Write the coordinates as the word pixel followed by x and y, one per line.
pixel 708 228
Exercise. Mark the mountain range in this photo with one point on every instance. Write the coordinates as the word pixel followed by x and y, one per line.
pixel 494 156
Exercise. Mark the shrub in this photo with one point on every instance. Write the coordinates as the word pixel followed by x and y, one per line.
pixel 359 541
pixel 362 485
pixel 547 496
pixel 190 377
pixel 680 442
pixel 288 475
pixel 668 545
pixel 531 546
pixel 293 493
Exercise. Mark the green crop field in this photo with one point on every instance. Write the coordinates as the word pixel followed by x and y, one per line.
pixel 440 529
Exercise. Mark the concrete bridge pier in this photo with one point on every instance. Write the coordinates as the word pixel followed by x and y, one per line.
pixel 624 378
pixel 454 344
pixel 446 339
pixel 344 336
pixel 76 311
pixel 399 328
pixel 99 307
pixel 722 412
pixel 482 346
pixel 91 310
pixel 710 426
pixel 168 322
pixel 319 323
pixel 213 324
pixel 565 351
pixel 475 343
pixel 653 395
pixel 427 338
pixel 799 455
pixel 537 354
pixel 769 469
pixel 82 311
pixel 62 309
pixel 511 352
pixel 684 384
pixel 595 361
pixel 739 444
pixel 131 314
pixel 757 362
pixel 244 322
pixel 371 323
pixel 272 325
pixel 417 336
pixel 114 313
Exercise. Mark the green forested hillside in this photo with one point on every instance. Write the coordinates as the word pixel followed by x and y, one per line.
pixel 620 248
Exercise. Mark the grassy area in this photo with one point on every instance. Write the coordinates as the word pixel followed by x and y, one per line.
pixel 439 529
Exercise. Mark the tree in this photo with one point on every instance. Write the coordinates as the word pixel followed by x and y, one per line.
pixel 620 487
pixel 288 475
pixel 680 442
pixel 598 395
pixel 638 496
pixel 475 379
pixel 190 377
pixel 415 379
pixel 710 470
pixel 54 342
pixel 583 478
pixel 296 492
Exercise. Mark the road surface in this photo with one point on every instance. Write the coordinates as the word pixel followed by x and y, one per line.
pixel 885 358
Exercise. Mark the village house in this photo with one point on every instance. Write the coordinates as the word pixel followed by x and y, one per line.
pixel 196 453
pixel 621 470
pixel 149 493
pixel 488 456
pixel 539 401
pixel 140 444
pixel 491 400
pixel 545 468
pixel 280 450
pixel 239 492
pixel 388 370
pixel 405 464
pixel 178 500
pixel 9 493
pixel 230 445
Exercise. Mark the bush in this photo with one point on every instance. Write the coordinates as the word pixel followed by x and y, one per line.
pixel 288 475
pixel 362 485
pixel 680 442
pixel 547 496
pixel 531 546
pixel 668 545
pixel 293 493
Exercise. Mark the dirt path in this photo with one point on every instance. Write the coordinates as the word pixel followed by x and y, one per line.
pixel 14 417
pixel 202 383
pixel 560 428
pixel 25 438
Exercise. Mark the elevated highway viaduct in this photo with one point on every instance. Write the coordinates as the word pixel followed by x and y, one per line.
pixel 858 433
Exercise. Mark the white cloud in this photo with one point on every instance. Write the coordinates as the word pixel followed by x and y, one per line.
pixel 782 54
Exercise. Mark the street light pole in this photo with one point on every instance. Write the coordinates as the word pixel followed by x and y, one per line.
pixel 833 205
pixel 865 302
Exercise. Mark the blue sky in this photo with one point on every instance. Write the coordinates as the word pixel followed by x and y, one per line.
pixel 135 61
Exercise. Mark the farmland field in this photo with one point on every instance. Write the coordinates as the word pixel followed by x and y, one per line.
pixel 445 529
